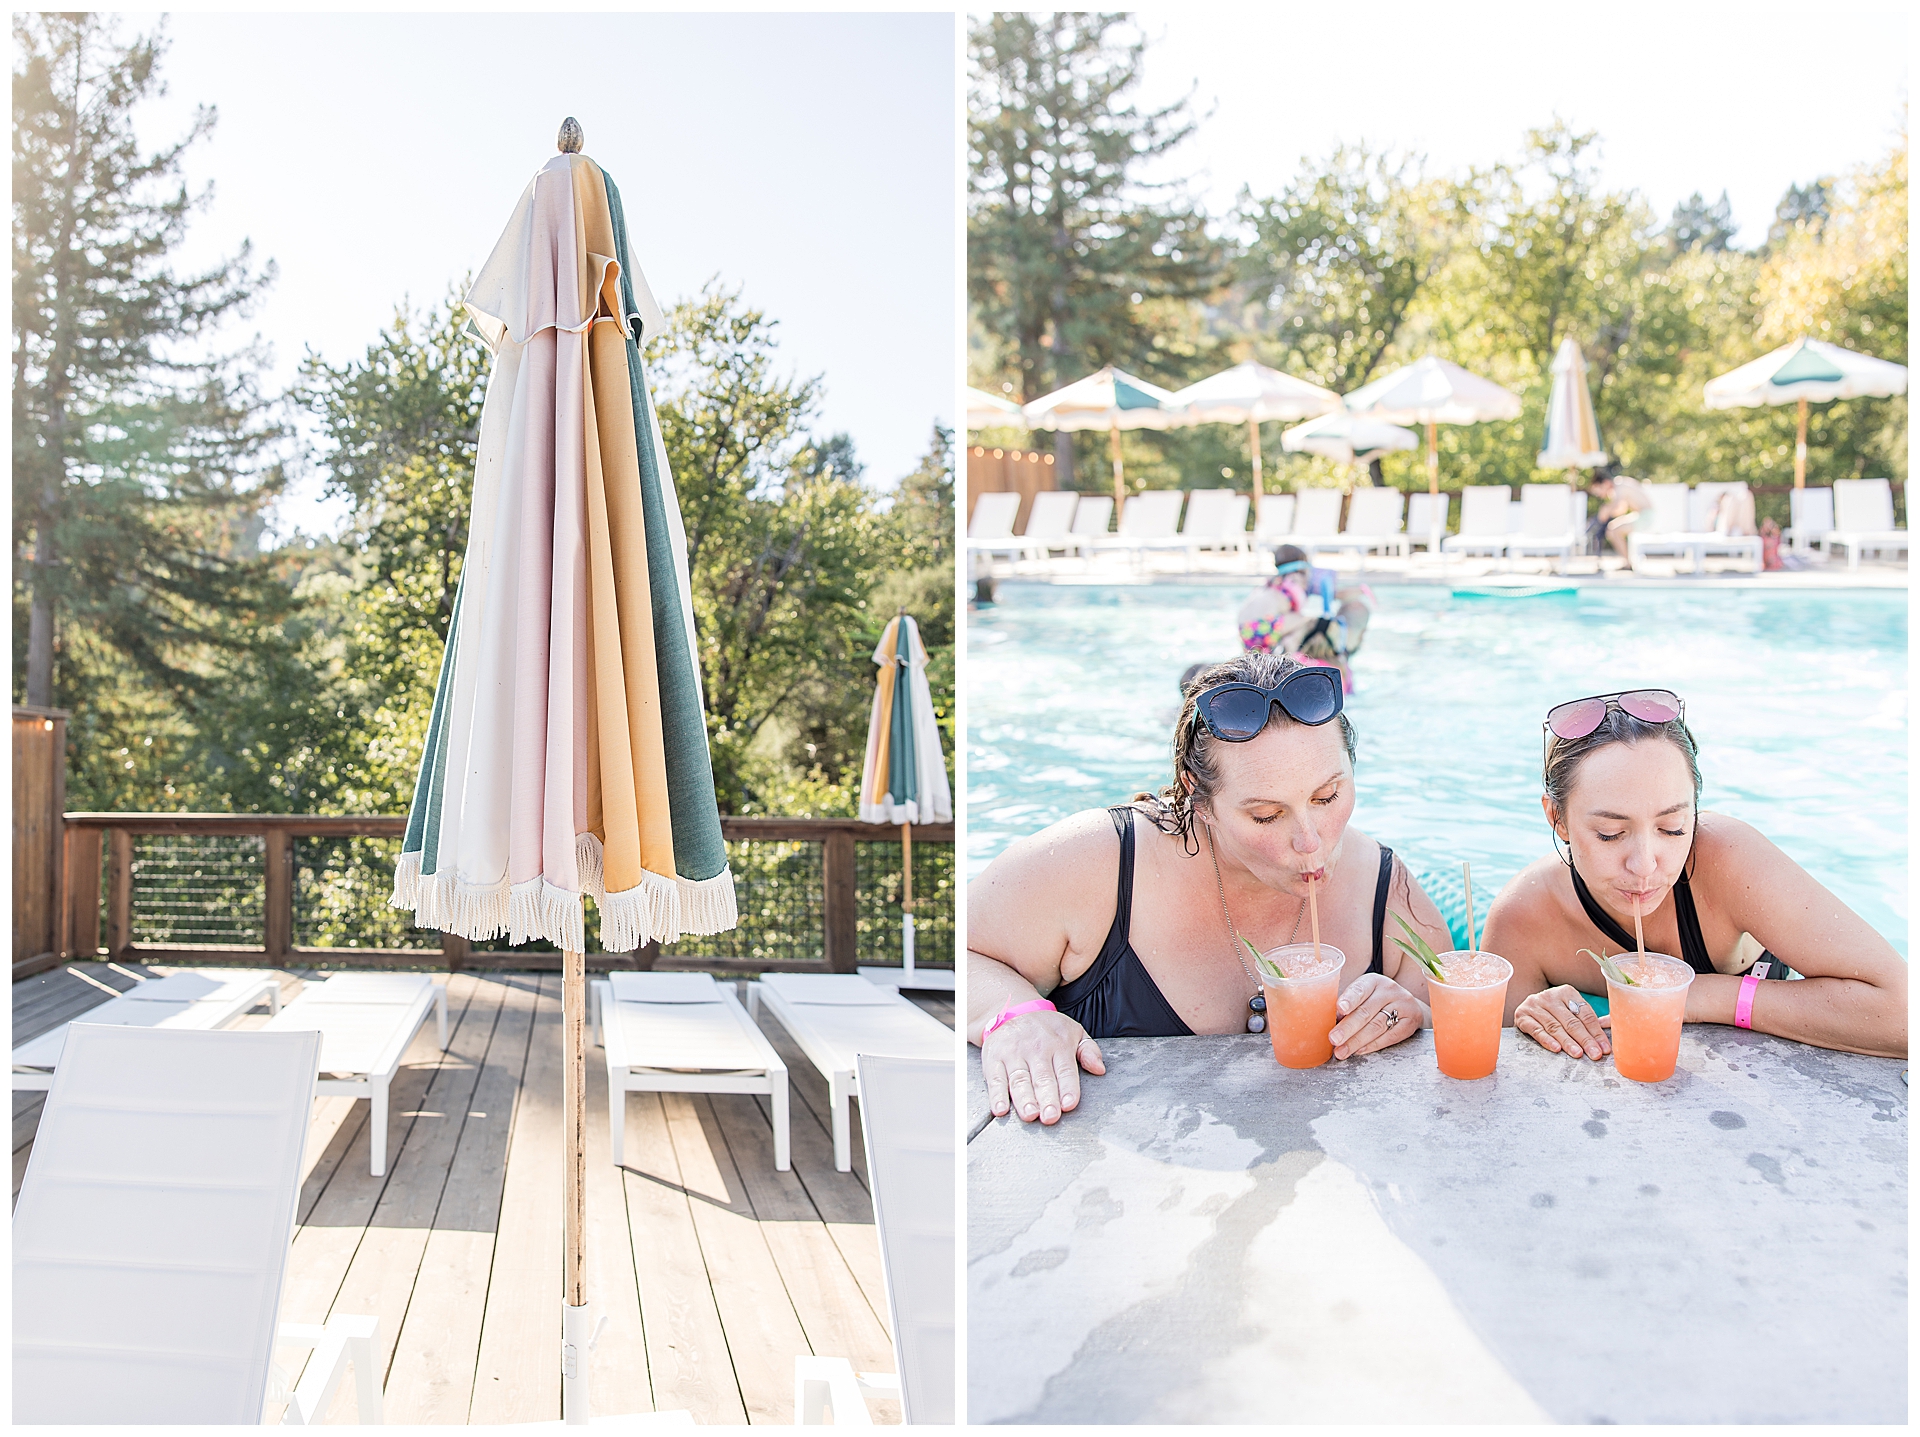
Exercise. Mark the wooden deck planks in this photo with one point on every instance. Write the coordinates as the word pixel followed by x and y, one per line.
pixel 431 1377
pixel 714 1270
pixel 517 1375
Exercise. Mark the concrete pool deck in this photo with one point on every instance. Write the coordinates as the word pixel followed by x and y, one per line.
pixel 1212 1238
pixel 1583 571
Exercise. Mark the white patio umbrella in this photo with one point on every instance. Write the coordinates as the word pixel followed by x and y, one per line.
pixel 1346 438
pixel 1108 399
pixel 904 778
pixel 990 411
pixel 1808 371
pixel 1432 391
pixel 1573 435
pixel 566 754
pixel 1249 394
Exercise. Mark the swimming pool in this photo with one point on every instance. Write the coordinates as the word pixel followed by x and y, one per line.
pixel 1799 701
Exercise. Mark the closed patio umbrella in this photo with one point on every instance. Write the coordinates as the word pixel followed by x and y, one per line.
pixel 1573 435
pixel 1249 394
pixel 1108 399
pixel 990 411
pixel 1433 391
pixel 904 778
pixel 566 754
pixel 1808 371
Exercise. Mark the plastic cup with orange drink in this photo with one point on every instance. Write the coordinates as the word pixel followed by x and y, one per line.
pixel 1303 995
pixel 1468 1007
pixel 1647 1015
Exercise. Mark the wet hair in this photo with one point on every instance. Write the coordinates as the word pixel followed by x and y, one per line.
pixel 1290 554
pixel 1196 751
pixel 1565 755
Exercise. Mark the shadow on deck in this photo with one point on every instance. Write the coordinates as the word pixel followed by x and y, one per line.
pixel 714 1270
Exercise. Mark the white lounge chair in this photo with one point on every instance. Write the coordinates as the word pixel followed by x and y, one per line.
pixel 835 1017
pixel 366 1022
pixel 190 999
pixel 1316 516
pixel 1546 522
pixel 683 1033
pixel 1205 526
pixel 1373 522
pixel 1050 523
pixel 1809 518
pixel 1090 519
pixel 1675 526
pixel 990 530
pixel 1863 519
pixel 1273 525
pixel 1147 521
pixel 150 1238
pixel 906 1115
pixel 1422 527
pixel 1483 521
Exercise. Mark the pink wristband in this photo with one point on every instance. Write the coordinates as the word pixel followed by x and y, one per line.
pixel 1743 1007
pixel 1018 1008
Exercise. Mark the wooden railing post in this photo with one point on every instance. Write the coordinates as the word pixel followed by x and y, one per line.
pixel 453 951
pixel 842 907
pixel 279 897
pixel 83 893
pixel 119 892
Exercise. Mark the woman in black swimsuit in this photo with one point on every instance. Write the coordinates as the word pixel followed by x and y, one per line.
pixel 1622 794
pixel 1127 919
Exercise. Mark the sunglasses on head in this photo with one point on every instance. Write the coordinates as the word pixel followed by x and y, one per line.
pixel 1237 712
pixel 1581 717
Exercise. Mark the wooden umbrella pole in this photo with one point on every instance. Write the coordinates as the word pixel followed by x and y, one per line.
pixel 1800 451
pixel 1253 435
pixel 575 1404
pixel 906 866
pixel 1433 459
pixel 1119 479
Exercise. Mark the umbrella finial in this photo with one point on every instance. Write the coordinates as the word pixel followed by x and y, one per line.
pixel 572 137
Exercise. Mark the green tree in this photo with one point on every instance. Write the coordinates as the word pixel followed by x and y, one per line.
pixel 1068 247
pixel 1699 225
pixel 142 465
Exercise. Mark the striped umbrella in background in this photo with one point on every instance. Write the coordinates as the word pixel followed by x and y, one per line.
pixel 566 754
pixel 904 779
pixel 1806 371
pixel 1573 435
pixel 1109 399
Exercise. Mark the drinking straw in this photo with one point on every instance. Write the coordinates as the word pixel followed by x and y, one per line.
pixel 1313 907
pixel 1639 938
pixel 1473 945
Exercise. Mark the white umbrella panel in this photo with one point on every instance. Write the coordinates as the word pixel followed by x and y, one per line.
pixel 1249 394
pixel 990 411
pixel 1808 371
pixel 1433 391
pixel 1108 399
pixel 1347 439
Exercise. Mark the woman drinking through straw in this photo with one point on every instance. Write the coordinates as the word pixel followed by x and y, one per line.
pixel 1129 921
pixel 1622 780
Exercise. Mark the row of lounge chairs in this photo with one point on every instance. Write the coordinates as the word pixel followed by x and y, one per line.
pixel 1547 521
pixel 152 1111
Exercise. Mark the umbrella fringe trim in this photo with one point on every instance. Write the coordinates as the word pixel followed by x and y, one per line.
pixel 589 860
pixel 649 912
pixel 708 905
pixel 539 909
pixel 406 881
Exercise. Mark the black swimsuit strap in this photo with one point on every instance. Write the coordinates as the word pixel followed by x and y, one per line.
pixel 1686 917
pixel 1122 816
pixel 1380 910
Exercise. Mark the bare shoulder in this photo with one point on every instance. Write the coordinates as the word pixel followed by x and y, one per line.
pixel 1047 895
pixel 1537 894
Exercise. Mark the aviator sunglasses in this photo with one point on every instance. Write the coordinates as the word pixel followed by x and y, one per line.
pixel 1237 712
pixel 1580 717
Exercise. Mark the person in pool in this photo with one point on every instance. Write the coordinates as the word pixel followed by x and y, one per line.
pixel 1127 921
pixel 1300 612
pixel 1622 778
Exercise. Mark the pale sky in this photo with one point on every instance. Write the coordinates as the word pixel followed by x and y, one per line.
pixel 1686 96
pixel 808 158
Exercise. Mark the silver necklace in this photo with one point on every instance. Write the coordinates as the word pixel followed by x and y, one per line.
pixel 1257 1004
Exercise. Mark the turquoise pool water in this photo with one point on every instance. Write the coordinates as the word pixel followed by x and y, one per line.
pixel 1799 701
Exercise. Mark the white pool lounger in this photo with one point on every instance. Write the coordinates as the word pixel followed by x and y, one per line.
pixel 366 1022
pixel 835 1017
pixel 192 999
pixel 151 1235
pixel 683 1033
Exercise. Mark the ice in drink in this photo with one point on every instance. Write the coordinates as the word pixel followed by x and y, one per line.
pixel 1467 1011
pixel 1303 997
pixel 1648 1015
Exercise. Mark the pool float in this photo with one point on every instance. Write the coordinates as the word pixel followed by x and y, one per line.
pixel 1514 589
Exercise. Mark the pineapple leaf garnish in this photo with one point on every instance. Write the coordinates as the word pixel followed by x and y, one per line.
pixel 1418 949
pixel 1612 969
